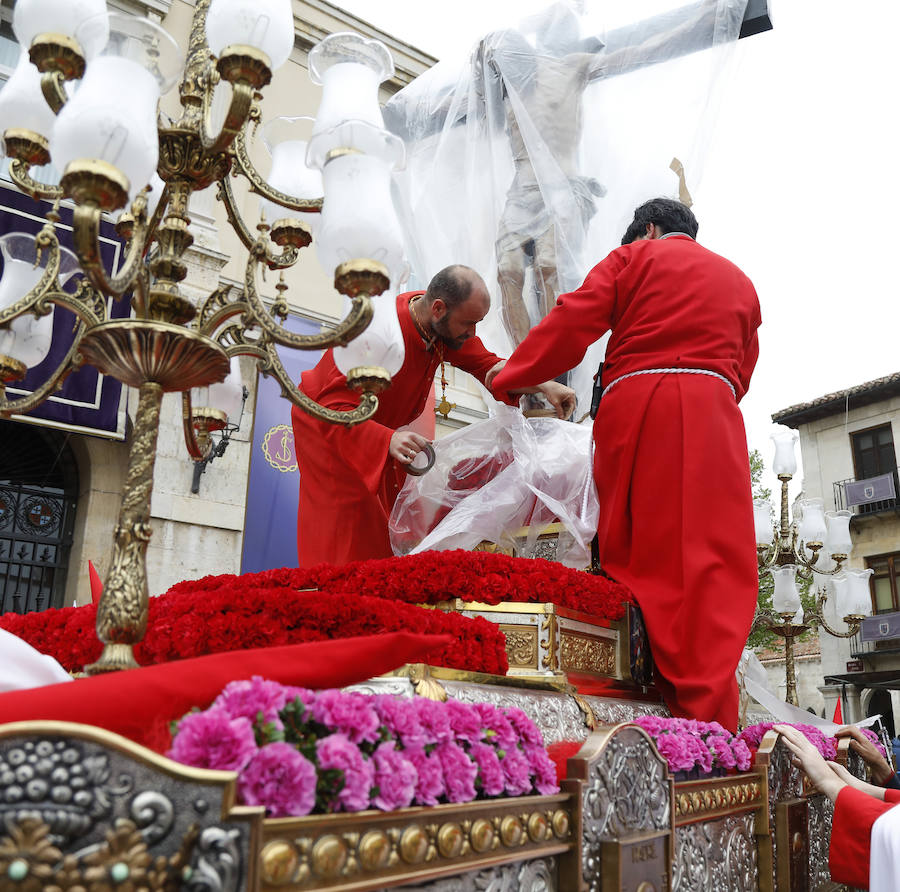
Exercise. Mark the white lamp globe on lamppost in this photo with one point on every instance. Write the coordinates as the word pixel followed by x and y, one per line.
pixel 105 139
pixel 785 463
pixel 285 139
pixel 217 405
pixel 25 341
pixel 44 19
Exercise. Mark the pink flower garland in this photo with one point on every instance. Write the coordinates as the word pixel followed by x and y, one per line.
pixel 299 751
pixel 687 744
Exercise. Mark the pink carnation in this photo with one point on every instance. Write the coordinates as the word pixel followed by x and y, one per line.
pixel 350 713
pixel 434 720
pixel 674 749
pixel 491 779
pixel 252 698
pixel 528 731
pixel 543 769
pixel 430 776
pixel 281 779
pixel 395 778
pixel 721 750
pixel 499 731
pixel 516 772
pixel 213 739
pixel 465 721
pixel 336 752
pixel 459 772
pixel 400 718
pixel 742 756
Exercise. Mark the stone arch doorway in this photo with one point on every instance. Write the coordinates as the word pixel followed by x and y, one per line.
pixel 38 493
pixel 880 704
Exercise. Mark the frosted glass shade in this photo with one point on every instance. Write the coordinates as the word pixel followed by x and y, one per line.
pixel 785 598
pixel 381 344
pixel 785 456
pixel 226 396
pixel 837 537
pixel 283 137
pixel 112 116
pixel 22 105
pixel 812 522
pixel 26 338
pixel 266 25
pixel 853 596
pixel 66 17
pixel 350 69
pixel 762 521
pixel 358 216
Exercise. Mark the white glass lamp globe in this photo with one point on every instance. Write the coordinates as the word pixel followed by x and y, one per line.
pixel 785 457
pixel 381 344
pixel 349 69
pixel 265 25
pixel 762 521
pixel 785 597
pixel 358 216
pixel 22 104
pixel 65 17
pixel 26 338
pixel 112 116
pixel 837 538
pixel 284 138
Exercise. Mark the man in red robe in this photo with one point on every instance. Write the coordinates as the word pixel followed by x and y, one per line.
pixel 350 477
pixel 670 461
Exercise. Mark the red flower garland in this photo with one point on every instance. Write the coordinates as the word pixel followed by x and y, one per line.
pixel 435 576
pixel 239 615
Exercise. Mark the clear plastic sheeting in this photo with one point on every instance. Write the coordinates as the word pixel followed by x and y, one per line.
pixel 527 158
pixel 495 477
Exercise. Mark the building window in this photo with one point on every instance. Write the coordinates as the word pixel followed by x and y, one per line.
pixel 873 452
pixel 884 582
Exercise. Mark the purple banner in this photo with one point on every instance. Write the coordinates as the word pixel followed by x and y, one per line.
pixel 872 489
pixel 88 401
pixel 881 627
pixel 270 524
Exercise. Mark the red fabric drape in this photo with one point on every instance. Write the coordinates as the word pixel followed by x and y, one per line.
pixel 139 703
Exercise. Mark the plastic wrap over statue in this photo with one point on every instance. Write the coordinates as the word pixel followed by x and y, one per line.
pixel 527 157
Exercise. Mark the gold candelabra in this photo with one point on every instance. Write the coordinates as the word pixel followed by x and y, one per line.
pixel 169 344
pixel 787 554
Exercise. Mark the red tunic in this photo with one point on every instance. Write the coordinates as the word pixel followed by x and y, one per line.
pixel 851 834
pixel 670 463
pixel 348 482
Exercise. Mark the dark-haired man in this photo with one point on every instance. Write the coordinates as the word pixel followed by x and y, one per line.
pixel 350 477
pixel 671 466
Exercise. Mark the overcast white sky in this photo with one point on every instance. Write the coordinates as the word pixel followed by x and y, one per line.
pixel 800 187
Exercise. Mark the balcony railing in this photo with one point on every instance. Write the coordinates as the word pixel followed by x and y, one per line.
pixel 864 494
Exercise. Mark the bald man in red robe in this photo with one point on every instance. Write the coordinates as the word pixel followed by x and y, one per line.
pixel 350 477
pixel 670 462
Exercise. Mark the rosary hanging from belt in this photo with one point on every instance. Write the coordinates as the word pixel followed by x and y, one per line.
pixel 444 407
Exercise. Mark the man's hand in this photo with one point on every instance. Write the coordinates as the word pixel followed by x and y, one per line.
pixel 881 771
pixel 492 373
pixel 806 756
pixel 406 445
pixel 562 398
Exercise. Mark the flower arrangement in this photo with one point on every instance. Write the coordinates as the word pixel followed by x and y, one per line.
pixel 825 744
pixel 435 576
pixel 298 751
pixel 236 615
pixel 692 746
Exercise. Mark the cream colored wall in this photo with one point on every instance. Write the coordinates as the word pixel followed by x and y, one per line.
pixel 827 458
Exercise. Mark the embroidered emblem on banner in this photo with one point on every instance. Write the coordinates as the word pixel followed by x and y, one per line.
pixel 278 448
pixel 869 492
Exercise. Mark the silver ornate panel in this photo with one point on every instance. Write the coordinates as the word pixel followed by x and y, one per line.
pixel 718 856
pixel 537 875
pixel 62 795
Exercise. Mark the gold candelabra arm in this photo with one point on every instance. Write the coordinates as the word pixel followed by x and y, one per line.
pixel 353 324
pixel 45 240
pixel 766 555
pixel 225 194
pixel 19 173
pixel 86 238
pixel 70 362
pixel 261 187
pixel 368 404
pixel 853 622
pixel 198 449
pixel 52 88
pixel 235 118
